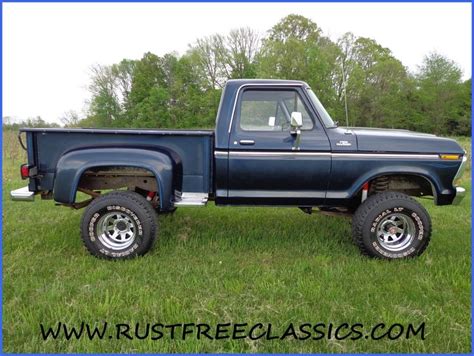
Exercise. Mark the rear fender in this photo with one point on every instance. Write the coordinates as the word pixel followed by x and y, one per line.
pixel 73 164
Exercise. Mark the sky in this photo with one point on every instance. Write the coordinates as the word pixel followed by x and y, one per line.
pixel 48 48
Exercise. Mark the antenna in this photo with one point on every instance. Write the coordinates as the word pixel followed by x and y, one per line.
pixel 344 85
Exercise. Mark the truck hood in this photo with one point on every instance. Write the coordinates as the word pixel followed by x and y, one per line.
pixel 389 140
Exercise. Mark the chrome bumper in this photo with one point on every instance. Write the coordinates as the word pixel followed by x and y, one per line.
pixel 22 194
pixel 460 193
pixel 461 169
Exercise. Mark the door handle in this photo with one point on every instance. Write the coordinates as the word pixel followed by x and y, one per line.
pixel 247 142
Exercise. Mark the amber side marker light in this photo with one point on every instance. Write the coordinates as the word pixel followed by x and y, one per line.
pixel 450 157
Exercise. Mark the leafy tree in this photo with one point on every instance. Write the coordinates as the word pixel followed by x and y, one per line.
pixel 175 91
pixel 376 82
pixel 295 48
pixel 9 124
pixel 123 74
pixel 104 106
pixel 219 58
pixel 192 104
pixel 442 97
pixel 242 46
pixel 207 55
pixel 462 126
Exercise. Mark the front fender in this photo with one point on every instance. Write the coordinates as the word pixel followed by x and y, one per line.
pixel 73 164
pixel 350 173
pixel 434 180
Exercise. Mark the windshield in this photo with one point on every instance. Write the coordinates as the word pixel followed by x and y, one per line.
pixel 328 122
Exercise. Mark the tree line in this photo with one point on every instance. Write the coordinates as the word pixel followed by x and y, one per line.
pixel 175 91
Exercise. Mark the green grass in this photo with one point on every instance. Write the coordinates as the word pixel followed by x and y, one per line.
pixel 218 265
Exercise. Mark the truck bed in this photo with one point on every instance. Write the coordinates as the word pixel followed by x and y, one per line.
pixel 192 148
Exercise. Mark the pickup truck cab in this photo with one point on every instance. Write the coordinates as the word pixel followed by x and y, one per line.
pixel 273 144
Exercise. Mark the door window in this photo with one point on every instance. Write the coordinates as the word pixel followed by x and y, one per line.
pixel 270 110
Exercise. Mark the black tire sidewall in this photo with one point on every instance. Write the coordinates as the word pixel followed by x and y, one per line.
pixel 412 211
pixel 145 226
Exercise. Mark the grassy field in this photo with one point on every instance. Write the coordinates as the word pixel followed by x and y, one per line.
pixel 218 265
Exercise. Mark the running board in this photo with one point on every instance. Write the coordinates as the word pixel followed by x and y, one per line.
pixel 191 199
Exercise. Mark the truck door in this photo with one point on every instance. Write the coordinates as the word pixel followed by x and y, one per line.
pixel 265 166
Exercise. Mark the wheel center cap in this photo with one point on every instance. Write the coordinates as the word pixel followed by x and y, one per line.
pixel 121 226
pixel 392 230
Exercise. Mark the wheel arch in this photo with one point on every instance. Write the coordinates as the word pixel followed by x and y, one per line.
pixel 72 165
pixel 415 176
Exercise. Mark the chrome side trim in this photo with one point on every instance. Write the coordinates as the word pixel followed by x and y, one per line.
pixel 256 85
pixel 236 193
pixel 278 154
pixel 324 154
pixel 22 194
pixel 460 193
pixel 386 155
pixel 220 153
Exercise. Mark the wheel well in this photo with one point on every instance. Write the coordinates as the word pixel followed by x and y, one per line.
pixel 117 177
pixel 410 184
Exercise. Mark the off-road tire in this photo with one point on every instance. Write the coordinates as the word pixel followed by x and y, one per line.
pixel 158 211
pixel 370 217
pixel 138 214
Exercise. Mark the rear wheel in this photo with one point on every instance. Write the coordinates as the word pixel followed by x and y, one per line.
pixel 119 225
pixel 391 225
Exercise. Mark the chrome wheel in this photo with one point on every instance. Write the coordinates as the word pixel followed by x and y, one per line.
pixel 395 231
pixel 116 230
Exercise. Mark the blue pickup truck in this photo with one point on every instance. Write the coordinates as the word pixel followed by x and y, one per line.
pixel 274 144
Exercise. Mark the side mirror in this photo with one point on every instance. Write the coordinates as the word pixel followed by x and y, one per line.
pixel 296 124
pixel 296 120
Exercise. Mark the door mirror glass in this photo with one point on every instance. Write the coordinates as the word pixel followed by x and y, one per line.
pixel 271 121
pixel 296 120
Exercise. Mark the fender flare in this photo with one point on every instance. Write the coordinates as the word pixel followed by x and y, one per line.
pixel 397 170
pixel 73 164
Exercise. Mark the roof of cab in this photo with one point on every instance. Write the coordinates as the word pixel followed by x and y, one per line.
pixel 240 82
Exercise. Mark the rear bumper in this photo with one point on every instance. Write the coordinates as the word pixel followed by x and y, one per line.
pixel 22 194
pixel 460 193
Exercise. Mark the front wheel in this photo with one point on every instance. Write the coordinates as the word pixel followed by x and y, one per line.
pixel 391 225
pixel 119 225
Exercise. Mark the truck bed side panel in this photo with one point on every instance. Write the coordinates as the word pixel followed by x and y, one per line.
pixel 193 148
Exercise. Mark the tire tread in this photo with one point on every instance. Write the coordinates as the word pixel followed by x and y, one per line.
pixel 137 199
pixel 371 203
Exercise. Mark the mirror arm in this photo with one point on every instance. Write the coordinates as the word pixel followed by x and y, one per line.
pixel 296 124
pixel 296 145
